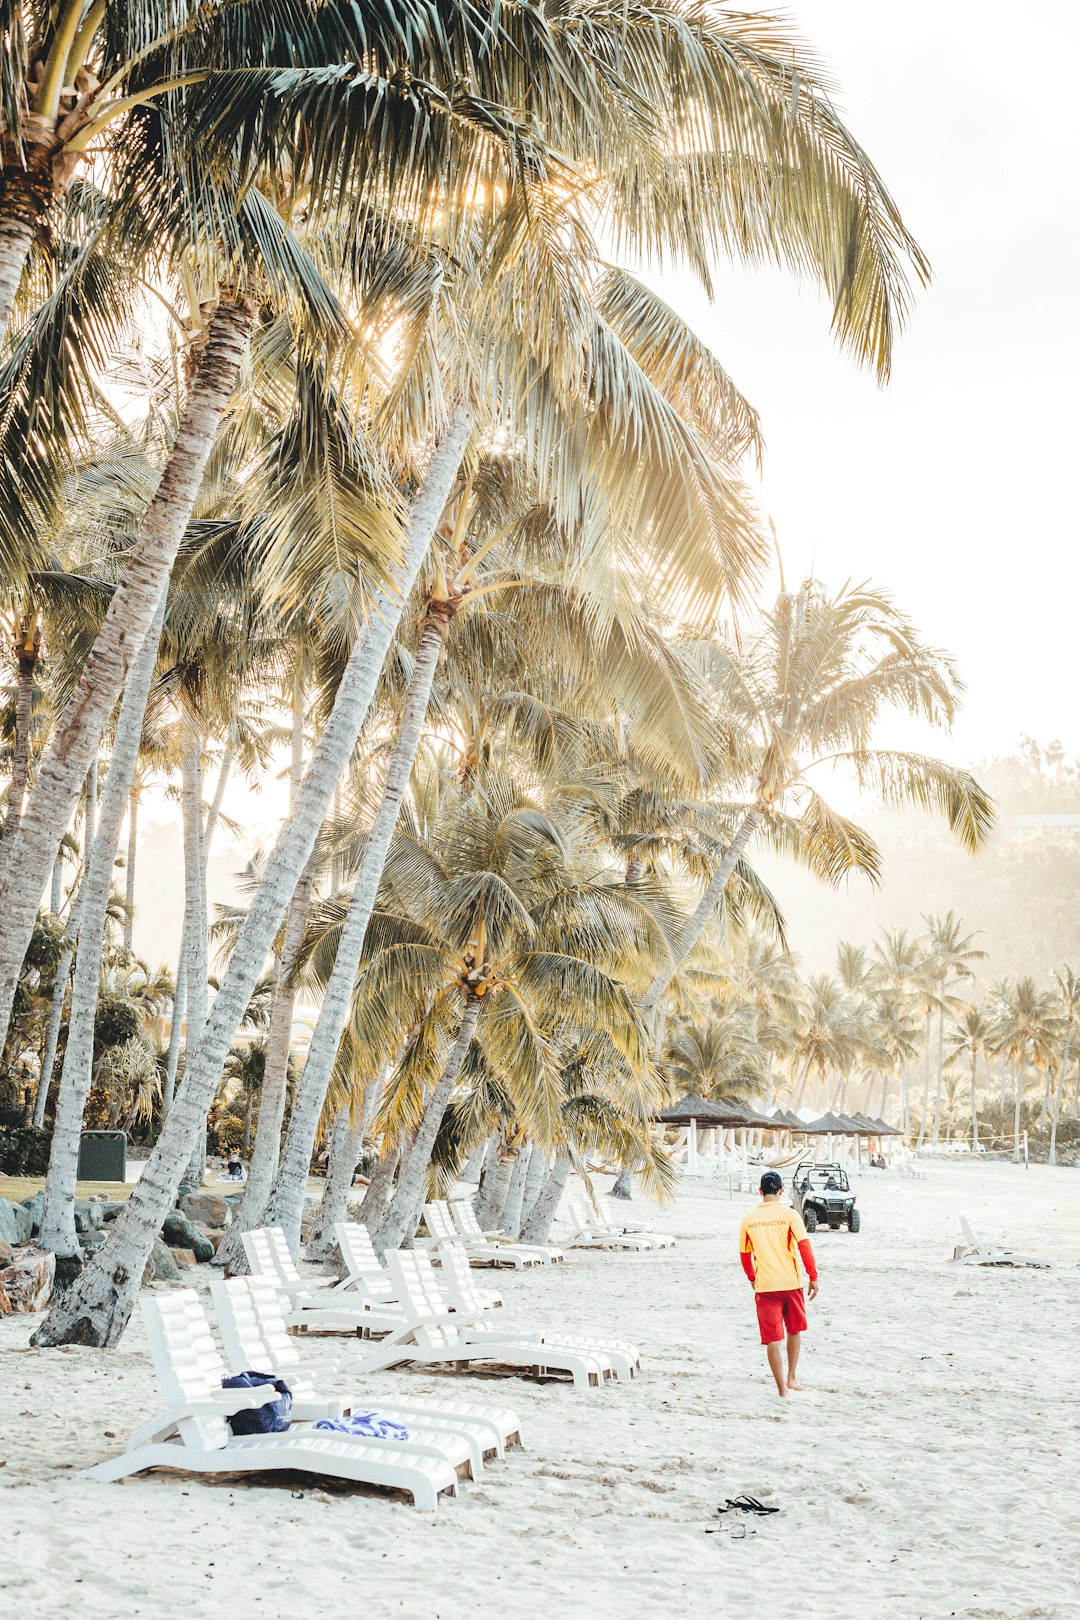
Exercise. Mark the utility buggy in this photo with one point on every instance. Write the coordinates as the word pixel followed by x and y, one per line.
pixel 823 1197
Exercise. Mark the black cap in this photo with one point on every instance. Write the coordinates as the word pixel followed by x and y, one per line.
pixel 771 1182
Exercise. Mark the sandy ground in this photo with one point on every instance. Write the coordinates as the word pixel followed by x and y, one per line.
pixel 930 1469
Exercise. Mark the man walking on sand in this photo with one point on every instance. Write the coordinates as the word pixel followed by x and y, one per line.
pixel 768 1240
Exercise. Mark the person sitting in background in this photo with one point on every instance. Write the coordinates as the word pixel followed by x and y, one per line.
pixel 234 1169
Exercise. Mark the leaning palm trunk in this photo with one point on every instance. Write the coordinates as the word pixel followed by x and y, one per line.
pixel 195 943
pixel 52 1030
pixel 712 897
pixel 497 1184
pixel 509 1220
pixel 373 1210
pixel 20 763
pixel 1059 1089
pixel 179 1007
pixel 58 1215
pixel 129 867
pixel 25 858
pixel 398 1223
pixel 346 1140
pixel 534 1181
pixel 544 1211
pixel 264 1160
pixel 96 1308
pixel 287 1200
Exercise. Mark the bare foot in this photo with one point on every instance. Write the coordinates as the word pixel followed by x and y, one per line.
pixel 782 1393
pixel 793 1383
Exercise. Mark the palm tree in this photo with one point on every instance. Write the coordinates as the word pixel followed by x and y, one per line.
pixel 948 961
pixel 1069 1003
pixel 825 1032
pixel 1026 1032
pixel 803 691
pixel 897 960
pixel 806 189
pixel 971 1033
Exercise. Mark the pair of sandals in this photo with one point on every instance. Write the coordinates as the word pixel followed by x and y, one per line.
pixel 745 1504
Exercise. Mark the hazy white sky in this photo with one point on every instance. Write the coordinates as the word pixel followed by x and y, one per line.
pixel 954 487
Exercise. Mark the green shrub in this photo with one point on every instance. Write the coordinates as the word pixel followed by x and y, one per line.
pixel 24 1152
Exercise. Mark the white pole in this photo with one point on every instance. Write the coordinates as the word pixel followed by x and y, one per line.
pixel 691 1149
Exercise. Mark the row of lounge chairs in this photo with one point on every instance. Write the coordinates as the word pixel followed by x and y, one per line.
pixel 404 1315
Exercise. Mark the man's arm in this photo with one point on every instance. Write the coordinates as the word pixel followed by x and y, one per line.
pixel 806 1253
pixel 746 1253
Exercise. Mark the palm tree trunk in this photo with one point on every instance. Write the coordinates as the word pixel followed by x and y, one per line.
pixel 497 1188
pixel 346 1141
pixel 58 1214
pixel 24 859
pixel 974 1100
pixel 376 1203
pixel 20 762
pixel 52 1031
pixel 56 898
pixel 179 1010
pixel 544 1211
pixel 1001 1095
pixel 264 1161
pixel 712 897
pixel 22 206
pixel 923 1120
pixel 1059 1088
pixel 129 866
pixel 414 1177
pixel 534 1181
pixel 287 1200
pixel 96 1308
pixel 940 1069
pixel 800 1085
pixel 195 945
pixel 473 1168
pixel 213 809
pixel 509 1219
pixel 1018 1081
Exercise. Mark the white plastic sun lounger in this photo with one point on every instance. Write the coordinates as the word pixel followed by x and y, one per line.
pixel 254 1334
pixel 457 1284
pixel 193 1433
pixel 482 1251
pixel 606 1227
pixel 435 1335
pixel 980 1251
pixel 340 1308
pixel 588 1232
pixel 468 1232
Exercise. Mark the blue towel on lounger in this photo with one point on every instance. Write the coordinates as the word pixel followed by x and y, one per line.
pixel 368 1425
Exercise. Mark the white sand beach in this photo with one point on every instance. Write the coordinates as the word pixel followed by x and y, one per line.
pixel 931 1467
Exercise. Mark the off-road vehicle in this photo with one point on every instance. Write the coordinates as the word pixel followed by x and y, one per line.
pixel 823 1197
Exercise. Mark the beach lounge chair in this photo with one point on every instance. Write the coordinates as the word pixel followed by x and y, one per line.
pixel 341 1307
pixel 588 1231
pixel 192 1432
pixel 434 1335
pixel 482 1250
pixel 522 1254
pixel 254 1334
pixel 980 1251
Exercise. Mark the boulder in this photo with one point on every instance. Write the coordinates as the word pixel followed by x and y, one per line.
pixel 180 1233
pixel 35 1206
pixel 87 1216
pixel 161 1265
pixel 109 1212
pixel 27 1283
pixel 16 1222
pixel 184 1257
pixel 206 1209
pixel 91 1242
pixel 214 1235
pixel 7 1253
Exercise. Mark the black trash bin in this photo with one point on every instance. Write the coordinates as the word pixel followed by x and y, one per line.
pixel 103 1156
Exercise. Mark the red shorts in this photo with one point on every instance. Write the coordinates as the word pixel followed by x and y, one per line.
pixel 780 1314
